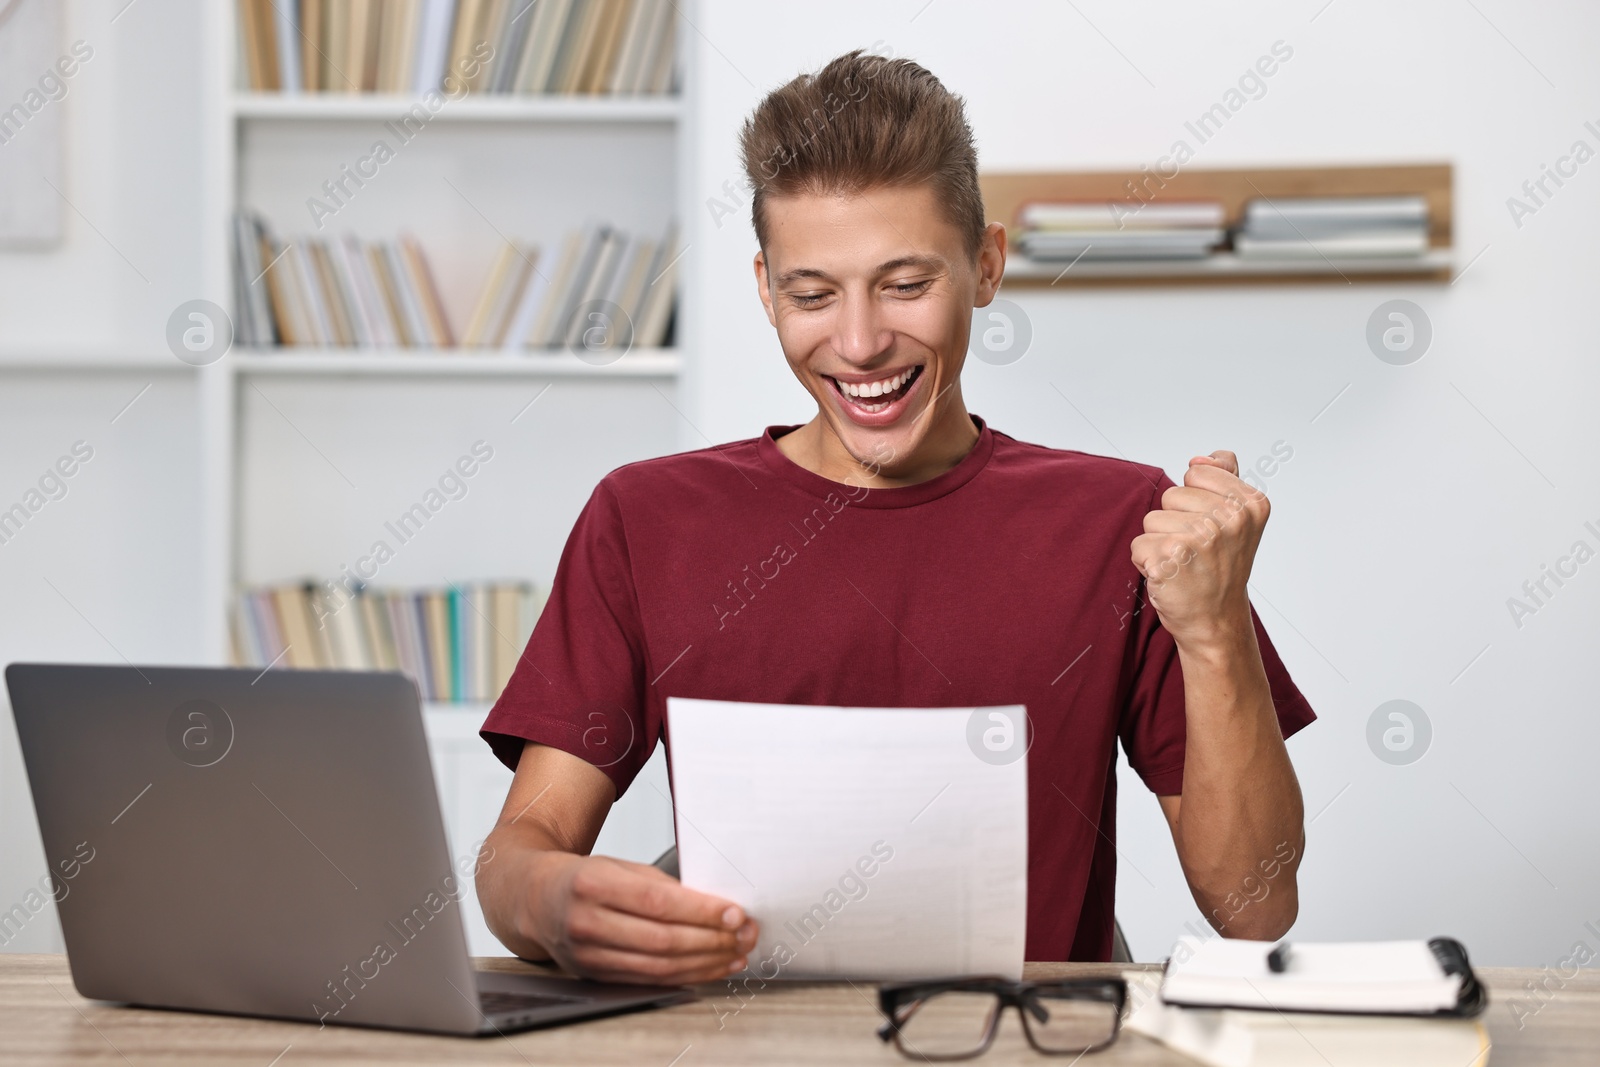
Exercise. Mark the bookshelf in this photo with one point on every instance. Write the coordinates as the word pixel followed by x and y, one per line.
pixel 287 432
pixel 1005 193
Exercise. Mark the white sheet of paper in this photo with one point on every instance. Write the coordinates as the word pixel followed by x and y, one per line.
pixel 870 843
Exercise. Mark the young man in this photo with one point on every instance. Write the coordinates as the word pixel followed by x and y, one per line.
pixel 896 551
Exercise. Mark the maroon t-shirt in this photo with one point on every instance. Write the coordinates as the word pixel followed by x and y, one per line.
pixel 733 573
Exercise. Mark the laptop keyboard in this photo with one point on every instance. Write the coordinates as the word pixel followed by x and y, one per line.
pixel 496 1003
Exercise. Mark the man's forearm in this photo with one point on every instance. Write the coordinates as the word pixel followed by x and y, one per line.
pixel 505 883
pixel 1240 827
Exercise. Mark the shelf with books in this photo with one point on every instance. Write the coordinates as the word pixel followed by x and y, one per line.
pixel 604 292
pixel 1340 223
pixel 483 107
pixel 458 642
pixel 588 47
pixel 449 362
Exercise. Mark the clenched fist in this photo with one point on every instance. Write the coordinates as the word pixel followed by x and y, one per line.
pixel 1197 548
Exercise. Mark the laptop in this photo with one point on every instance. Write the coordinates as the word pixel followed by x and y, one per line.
pixel 265 844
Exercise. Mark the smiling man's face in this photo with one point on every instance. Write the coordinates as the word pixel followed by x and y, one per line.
pixel 872 297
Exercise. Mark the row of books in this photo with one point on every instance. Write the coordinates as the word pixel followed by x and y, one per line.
pixel 488 46
pixel 459 643
pixel 606 289
pixel 1290 228
pixel 1353 227
pixel 343 292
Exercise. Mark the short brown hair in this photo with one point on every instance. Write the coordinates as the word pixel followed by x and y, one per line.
pixel 864 120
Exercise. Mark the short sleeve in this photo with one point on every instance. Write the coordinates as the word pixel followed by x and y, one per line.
pixel 579 685
pixel 1153 725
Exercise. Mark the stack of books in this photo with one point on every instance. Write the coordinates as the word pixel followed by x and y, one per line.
pixel 342 292
pixel 1110 230
pixel 456 46
pixel 1352 227
pixel 458 644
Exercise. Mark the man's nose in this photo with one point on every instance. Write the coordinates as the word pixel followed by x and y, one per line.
pixel 862 335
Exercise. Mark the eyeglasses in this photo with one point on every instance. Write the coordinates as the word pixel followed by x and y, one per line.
pixel 958 1019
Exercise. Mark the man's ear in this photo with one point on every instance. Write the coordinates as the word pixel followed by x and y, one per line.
pixel 991 263
pixel 763 290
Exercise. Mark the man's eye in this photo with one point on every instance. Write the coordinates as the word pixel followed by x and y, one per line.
pixel 807 300
pixel 911 288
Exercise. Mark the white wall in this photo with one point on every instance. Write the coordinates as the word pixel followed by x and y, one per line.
pixel 1406 517
pixel 120 546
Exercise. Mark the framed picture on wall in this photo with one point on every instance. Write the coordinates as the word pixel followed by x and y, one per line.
pixel 32 118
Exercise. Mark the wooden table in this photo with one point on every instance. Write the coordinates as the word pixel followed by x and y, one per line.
pixel 44 1021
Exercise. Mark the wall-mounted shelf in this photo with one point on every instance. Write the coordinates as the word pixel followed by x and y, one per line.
pixel 484 107
pixel 1005 194
pixel 652 363
pixel 1227 267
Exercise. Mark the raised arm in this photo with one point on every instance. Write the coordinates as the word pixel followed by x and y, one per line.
pixel 1239 823
pixel 546 898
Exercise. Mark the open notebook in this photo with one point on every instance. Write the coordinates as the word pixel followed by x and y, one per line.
pixel 1373 977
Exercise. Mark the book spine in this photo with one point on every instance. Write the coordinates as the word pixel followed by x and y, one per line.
pixel 257 291
pixel 287 17
pixel 515 27
pixel 311 36
pixel 392 305
pixel 638 23
pixel 340 322
pixel 542 60
pixel 664 70
pixel 409 299
pixel 521 317
pixel 246 637
pixel 267 21
pixel 433 37
pixel 477 324
pixel 435 640
pixel 457 640
pixel 336 78
pixel 373 307
pixel 510 298
pixel 266 618
pixel 405 59
pixel 482 642
pixel 428 291
pixel 321 632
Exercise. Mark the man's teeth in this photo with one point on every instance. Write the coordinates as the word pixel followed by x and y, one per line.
pixel 878 388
